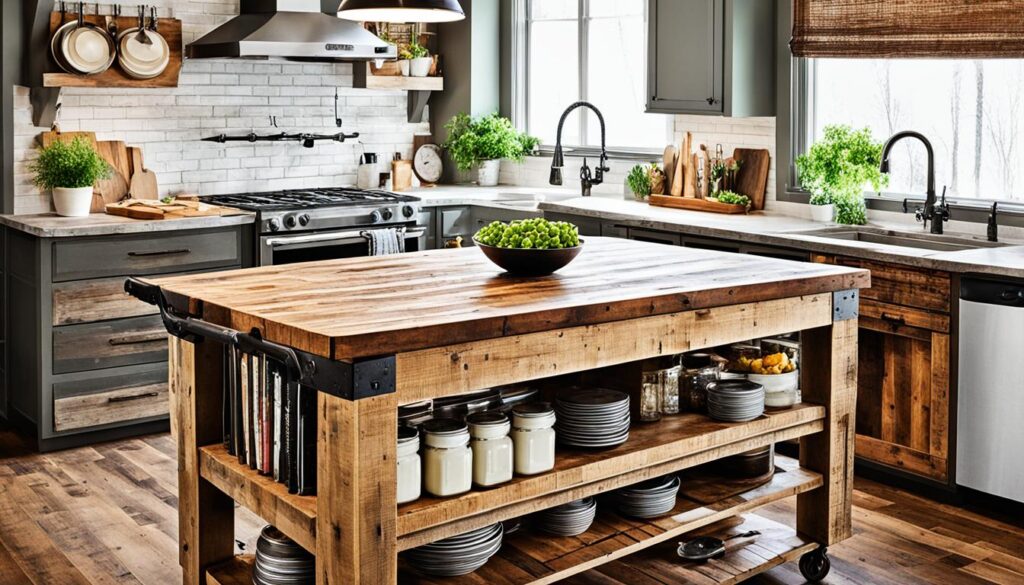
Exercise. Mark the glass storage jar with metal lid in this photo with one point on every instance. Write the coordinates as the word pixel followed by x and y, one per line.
pixel 447 457
pixel 699 370
pixel 650 396
pixel 409 469
pixel 492 448
pixel 533 438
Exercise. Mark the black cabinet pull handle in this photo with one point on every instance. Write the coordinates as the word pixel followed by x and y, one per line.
pixel 115 399
pixel 711 101
pixel 160 253
pixel 895 320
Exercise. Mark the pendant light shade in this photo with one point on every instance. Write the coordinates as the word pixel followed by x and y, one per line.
pixel 401 10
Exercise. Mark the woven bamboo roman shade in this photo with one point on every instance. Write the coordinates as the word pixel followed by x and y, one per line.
pixel 908 28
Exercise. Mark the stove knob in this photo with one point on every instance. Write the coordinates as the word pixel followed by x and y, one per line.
pixel 289 221
pixel 274 225
pixel 387 214
pixel 304 219
pixel 409 211
pixel 375 216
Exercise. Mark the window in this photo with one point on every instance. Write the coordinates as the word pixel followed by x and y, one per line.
pixel 593 50
pixel 971 111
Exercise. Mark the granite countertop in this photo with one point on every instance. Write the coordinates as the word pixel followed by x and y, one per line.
pixel 51 225
pixel 783 231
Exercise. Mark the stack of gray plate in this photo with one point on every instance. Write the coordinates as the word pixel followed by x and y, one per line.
pixel 735 400
pixel 592 417
pixel 650 499
pixel 458 555
pixel 569 519
pixel 279 561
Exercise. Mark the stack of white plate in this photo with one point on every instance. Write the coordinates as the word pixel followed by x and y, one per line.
pixel 592 417
pixel 735 400
pixel 650 499
pixel 458 555
pixel 568 520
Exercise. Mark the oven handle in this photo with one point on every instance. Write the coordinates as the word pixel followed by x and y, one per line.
pixel 350 237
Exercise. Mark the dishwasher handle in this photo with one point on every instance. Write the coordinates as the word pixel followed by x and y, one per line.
pixel 992 292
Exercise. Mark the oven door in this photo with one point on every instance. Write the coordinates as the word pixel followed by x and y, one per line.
pixel 289 249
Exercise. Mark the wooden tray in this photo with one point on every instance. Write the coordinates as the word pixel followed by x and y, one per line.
pixel 151 209
pixel 170 28
pixel 695 204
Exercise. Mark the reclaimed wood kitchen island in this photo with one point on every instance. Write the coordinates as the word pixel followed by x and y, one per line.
pixel 405 328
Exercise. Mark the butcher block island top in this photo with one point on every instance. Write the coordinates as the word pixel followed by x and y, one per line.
pixel 369 306
pixel 413 327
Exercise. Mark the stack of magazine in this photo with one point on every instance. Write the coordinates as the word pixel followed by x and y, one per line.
pixel 270 420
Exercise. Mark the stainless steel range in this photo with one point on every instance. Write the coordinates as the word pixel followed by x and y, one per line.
pixel 303 225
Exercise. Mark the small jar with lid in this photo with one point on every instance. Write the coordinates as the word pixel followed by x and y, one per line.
pixel 409 468
pixel 492 448
pixel 447 457
pixel 533 438
pixel 699 370
pixel 651 396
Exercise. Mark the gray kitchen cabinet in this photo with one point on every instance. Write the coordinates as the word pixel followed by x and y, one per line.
pixel 92 361
pixel 654 236
pixel 452 223
pixel 714 57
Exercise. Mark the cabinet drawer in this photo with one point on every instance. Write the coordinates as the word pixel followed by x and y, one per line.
pixel 903 285
pixel 114 399
pixel 144 254
pixel 880 315
pixel 95 300
pixel 642 235
pixel 93 346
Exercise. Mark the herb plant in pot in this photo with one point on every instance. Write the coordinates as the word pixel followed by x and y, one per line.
pixel 483 142
pixel 416 60
pixel 69 170
pixel 836 170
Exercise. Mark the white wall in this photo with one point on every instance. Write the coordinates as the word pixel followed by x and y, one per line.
pixel 731 133
pixel 227 96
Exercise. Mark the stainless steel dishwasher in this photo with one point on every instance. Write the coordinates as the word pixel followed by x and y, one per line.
pixel 990 418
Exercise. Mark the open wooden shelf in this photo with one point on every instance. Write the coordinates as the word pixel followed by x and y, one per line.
pixel 234 571
pixel 534 557
pixel 364 79
pixel 672 444
pixel 292 514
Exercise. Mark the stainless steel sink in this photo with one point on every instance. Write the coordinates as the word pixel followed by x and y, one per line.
pixel 905 239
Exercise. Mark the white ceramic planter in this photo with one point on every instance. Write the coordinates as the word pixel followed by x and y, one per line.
pixel 403 66
pixel 420 67
pixel 487 174
pixel 823 213
pixel 73 202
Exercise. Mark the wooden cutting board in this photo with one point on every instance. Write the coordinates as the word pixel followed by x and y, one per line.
pixel 669 164
pixel 752 178
pixel 143 181
pixel 155 209
pixel 48 138
pixel 115 187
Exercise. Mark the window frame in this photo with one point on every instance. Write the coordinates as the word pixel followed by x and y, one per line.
pixel 520 81
pixel 798 122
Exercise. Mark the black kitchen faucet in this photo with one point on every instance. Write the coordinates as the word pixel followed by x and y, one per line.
pixel 936 213
pixel 587 180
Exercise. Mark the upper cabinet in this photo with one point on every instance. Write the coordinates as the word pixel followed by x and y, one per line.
pixel 714 57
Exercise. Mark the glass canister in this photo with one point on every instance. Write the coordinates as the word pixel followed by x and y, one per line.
pixel 699 370
pixel 492 448
pixel 447 457
pixel 650 396
pixel 409 469
pixel 670 389
pixel 533 438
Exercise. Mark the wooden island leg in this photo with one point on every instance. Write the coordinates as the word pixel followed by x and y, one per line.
pixel 206 521
pixel 829 364
pixel 356 523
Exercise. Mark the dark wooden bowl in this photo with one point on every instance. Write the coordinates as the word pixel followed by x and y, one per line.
pixel 519 262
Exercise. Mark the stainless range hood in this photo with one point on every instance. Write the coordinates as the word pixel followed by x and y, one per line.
pixel 290 29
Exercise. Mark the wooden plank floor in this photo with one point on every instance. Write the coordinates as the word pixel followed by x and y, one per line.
pixel 107 515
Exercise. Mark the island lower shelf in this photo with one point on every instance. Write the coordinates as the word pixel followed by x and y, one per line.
pixel 673 444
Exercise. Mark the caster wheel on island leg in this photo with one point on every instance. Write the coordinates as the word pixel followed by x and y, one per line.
pixel 814 566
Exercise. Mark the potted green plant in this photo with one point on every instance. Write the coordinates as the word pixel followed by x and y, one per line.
pixel 415 60
pixel 644 180
pixel 69 170
pixel 483 142
pixel 836 169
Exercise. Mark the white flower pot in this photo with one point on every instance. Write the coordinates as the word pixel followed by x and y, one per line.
pixel 487 174
pixel 403 66
pixel 420 67
pixel 823 213
pixel 74 202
